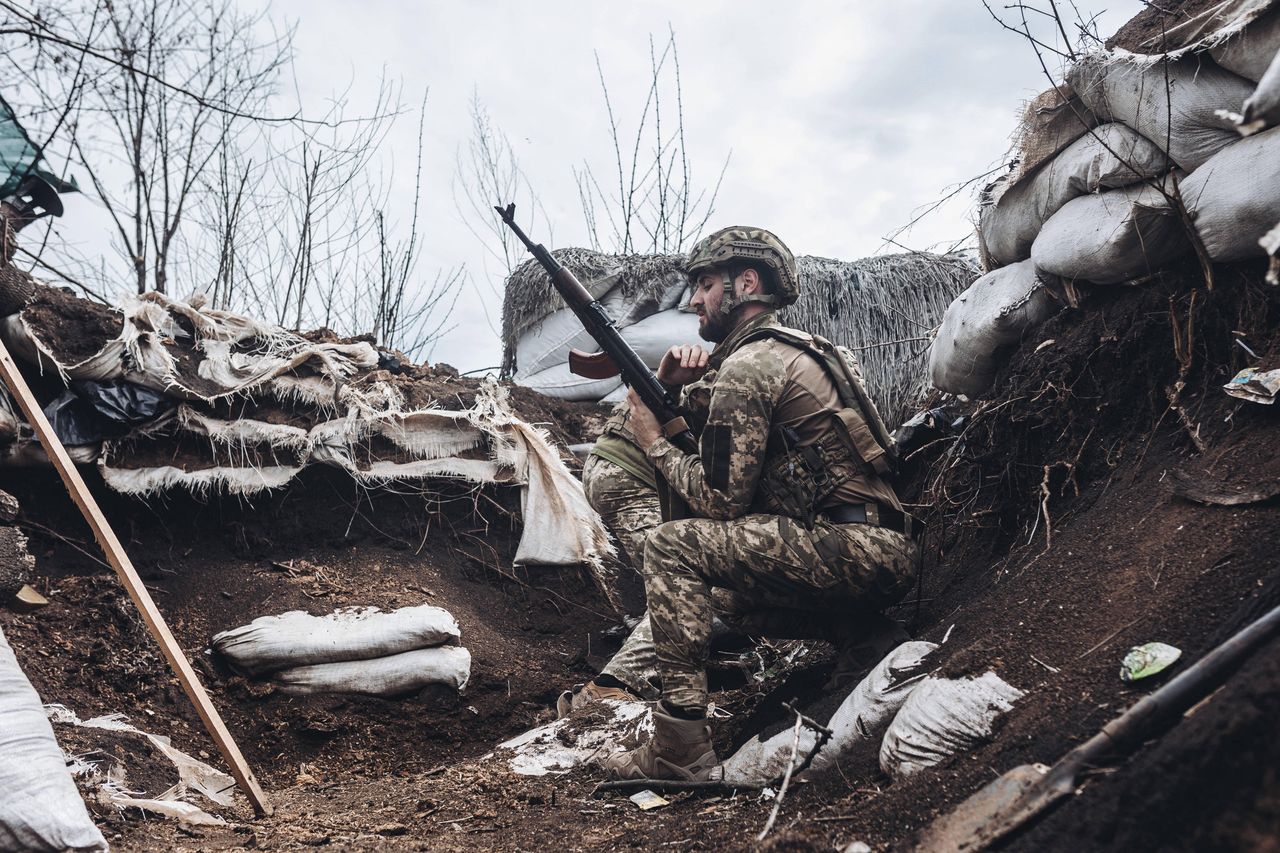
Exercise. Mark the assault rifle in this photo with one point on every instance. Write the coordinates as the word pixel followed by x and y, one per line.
pixel 616 355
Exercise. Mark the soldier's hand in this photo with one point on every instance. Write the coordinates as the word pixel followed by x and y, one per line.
pixel 644 426
pixel 682 364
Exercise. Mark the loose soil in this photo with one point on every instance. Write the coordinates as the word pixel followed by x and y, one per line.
pixel 70 327
pixel 1056 543
pixel 1148 31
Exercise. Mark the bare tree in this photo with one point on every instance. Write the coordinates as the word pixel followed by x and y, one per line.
pixel 656 206
pixel 167 113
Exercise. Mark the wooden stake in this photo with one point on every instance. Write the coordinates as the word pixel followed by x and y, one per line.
pixel 133 584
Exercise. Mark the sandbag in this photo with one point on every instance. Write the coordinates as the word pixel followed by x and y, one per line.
pixel 1250 51
pixel 1170 102
pixel 994 312
pixel 1110 156
pixel 654 335
pixel 40 807
pixel 1111 237
pixel 944 717
pixel 547 342
pixel 863 715
pixel 559 382
pixel 650 337
pixel 1235 197
pixel 393 675
pixel 297 638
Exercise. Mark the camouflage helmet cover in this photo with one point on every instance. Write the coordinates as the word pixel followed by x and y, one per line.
pixel 747 245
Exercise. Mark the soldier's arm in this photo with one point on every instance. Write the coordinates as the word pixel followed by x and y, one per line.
pixel 720 480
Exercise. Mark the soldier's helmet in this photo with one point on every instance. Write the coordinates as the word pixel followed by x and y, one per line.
pixel 748 245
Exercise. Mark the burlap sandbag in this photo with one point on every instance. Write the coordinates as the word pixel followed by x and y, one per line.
pixel 992 314
pixel 1235 197
pixel 1111 237
pixel 1174 103
pixel 1250 52
pixel 1110 156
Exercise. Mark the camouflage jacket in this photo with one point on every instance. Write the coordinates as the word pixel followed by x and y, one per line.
pixel 748 388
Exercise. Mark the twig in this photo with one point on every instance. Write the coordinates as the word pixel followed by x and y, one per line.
pixel 823 735
pixel 1111 637
pixel 786 779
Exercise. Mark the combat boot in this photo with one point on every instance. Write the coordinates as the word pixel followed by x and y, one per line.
pixel 862 646
pixel 568 701
pixel 679 750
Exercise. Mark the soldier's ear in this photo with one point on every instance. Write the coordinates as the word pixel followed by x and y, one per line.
pixel 751 284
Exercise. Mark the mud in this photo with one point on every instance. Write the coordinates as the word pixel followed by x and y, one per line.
pixel 1148 31
pixel 72 328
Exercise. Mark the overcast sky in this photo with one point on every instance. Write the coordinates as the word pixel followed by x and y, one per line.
pixel 843 118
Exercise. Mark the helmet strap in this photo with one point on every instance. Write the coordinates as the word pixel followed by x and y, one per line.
pixel 731 300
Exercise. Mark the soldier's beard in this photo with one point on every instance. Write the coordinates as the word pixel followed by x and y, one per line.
pixel 714 326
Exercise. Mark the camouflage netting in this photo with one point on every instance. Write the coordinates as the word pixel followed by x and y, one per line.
pixel 880 307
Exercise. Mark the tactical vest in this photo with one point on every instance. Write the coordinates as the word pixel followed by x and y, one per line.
pixel 797 480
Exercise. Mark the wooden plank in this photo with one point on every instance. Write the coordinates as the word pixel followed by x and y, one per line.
pixel 119 560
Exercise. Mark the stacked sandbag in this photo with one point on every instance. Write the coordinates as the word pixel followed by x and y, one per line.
pixel 863 715
pixel 1176 103
pixel 1251 49
pixel 1235 197
pixel 650 337
pixel 352 650
pixel 40 807
pixel 994 313
pixel 1114 236
pixel 1107 157
pixel 944 717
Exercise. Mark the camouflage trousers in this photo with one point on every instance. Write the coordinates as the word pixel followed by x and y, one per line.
pixel 761 575
pixel 768 575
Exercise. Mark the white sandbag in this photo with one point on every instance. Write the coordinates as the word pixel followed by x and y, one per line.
pixel 40 807
pixel 1250 51
pixel 297 638
pixel 559 382
pixel 1235 197
pixel 1174 103
pixel 548 341
pixel 1110 156
pixel 944 717
pixel 654 335
pixel 863 715
pixel 994 312
pixel 617 395
pixel 393 675
pixel 1111 237
pixel 1262 110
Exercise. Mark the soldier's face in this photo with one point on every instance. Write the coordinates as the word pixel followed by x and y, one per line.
pixel 708 295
